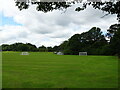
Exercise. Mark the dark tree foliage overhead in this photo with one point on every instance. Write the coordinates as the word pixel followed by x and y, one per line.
pixel 43 6
pixel 109 7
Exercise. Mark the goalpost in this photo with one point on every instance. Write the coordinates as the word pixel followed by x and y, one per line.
pixel 24 53
pixel 83 53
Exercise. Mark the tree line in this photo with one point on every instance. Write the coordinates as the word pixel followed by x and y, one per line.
pixel 93 41
pixel 27 47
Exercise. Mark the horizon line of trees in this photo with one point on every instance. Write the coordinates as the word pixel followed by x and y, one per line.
pixel 93 41
pixel 27 47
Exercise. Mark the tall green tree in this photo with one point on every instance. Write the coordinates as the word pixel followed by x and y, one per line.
pixel 115 43
pixel 115 39
pixel 42 48
pixel 5 47
pixel 56 48
pixel 63 45
pixel 91 41
pixel 49 49
pixel 73 46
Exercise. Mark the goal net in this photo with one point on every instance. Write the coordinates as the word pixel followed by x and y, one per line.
pixel 82 53
pixel 24 53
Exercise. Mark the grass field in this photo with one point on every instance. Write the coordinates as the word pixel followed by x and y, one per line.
pixel 47 70
pixel 0 69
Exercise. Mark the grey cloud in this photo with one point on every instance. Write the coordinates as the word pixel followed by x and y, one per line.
pixel 60 35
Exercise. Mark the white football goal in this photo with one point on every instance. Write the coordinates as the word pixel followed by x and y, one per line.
pixel 82 53
pixel 24 53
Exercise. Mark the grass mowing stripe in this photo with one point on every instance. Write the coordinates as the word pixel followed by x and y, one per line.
pixel 47 70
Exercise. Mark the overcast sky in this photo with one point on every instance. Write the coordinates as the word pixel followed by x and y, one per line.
pixel 49 29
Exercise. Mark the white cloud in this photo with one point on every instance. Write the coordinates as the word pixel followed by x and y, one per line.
pixel 50 28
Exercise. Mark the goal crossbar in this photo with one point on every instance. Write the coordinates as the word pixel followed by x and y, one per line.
pixel 82 53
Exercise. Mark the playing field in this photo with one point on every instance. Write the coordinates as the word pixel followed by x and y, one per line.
pixel 47 70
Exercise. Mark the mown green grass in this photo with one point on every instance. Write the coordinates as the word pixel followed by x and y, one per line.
pixel 47 70
pixel 0 69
